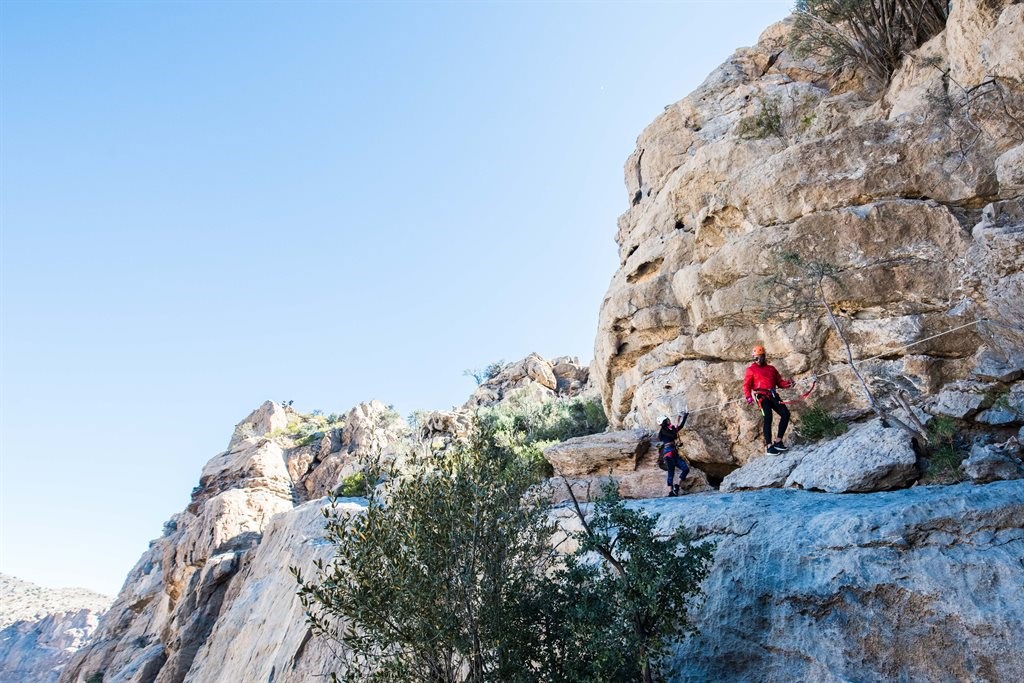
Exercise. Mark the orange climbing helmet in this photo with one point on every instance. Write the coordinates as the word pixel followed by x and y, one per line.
pixel 758 351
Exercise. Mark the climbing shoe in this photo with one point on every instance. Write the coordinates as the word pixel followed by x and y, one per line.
pixel 781 447
pixel 772 450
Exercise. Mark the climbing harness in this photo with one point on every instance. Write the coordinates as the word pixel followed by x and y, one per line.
pixel 814 378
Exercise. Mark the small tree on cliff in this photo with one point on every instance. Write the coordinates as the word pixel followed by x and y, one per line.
pixel 873 35
pixel 798 290
pixel 423 581
pixel 452 574
pixel 635 597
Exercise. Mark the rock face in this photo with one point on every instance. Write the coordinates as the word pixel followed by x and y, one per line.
pixel 159 630
pixel 40 628
pixel 912 196
pixel 186 612
pixel 915 585
pixel 626 457
pixel 563 376
pixel 994 462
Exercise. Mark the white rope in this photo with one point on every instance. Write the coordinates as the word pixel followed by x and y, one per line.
pixel 815 377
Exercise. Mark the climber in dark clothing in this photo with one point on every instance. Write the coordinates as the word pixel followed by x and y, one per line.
pixel 668 433
pixel 761 382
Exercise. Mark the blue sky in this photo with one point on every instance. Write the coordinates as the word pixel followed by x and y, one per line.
pixel 205 205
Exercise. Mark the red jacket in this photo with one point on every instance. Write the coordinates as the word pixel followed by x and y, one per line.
pixel 760 378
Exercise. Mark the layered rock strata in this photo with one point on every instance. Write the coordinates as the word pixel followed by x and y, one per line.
pixel 909 199
pixel 201 603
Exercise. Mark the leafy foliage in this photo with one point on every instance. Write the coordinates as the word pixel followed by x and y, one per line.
pixel 766 123
pixel 944 455
pixel 427 580
pixel 524 427
pixel 817 423
pixel 870 35
pixel 353 486
pixel 631 605
pixel 455 576
pixel 481 375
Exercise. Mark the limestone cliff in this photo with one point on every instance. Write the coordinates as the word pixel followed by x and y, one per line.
pixel 212 599
pixel 912 196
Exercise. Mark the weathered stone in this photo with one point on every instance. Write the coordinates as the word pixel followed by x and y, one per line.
pixel 610 452
pixel 765 472
pixel 960 400
pixel 872 188
pixel 267 418
pixel 628 457
pixel 869 457
pixel 263 601
pixel 571 378
pixel 1010 171
pixel 541 378
pixel 921 584
pixel 994 462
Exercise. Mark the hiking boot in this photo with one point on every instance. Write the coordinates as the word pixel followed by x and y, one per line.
pixel 772 450
pixel 672 493
pixel 675 490
pixel 781 447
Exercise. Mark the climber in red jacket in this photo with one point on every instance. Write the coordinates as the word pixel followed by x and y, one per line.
pixel 760 384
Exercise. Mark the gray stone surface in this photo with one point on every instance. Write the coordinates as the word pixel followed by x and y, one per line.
pixel 994 462
pixel 869 457
pixel 765 472
pixel 921 584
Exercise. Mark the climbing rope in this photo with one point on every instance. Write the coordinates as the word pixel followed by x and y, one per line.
pixel 814 378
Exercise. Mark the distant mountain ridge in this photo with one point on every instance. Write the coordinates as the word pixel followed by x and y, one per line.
pixel 40 628
pixel 25 601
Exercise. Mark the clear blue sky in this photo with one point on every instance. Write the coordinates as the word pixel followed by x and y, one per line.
pixel 206 205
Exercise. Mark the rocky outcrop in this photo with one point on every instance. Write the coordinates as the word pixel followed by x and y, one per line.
pixel 994 462
pixel 911 198
pixel 175 596
pixel 626 458
pixel 547 379
pixel 869 457
pixel 915 585
pixel 189 602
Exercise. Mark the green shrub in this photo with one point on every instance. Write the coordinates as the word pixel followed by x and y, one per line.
pixel 871 36
pixel 817 423
pixel 453 579
pixel 354 485
pixel 944 454
pixel 631 606
pixel 766 123
pixel 481 375
pixel 525 427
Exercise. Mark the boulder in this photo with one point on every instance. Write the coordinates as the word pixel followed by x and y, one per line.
pixel 765 472
pixel 617 452
pixel 992 462
pixel 626 456
pixel 869 457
